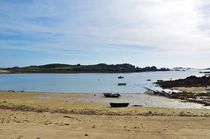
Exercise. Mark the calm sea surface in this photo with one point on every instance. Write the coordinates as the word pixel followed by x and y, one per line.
pixel 88 83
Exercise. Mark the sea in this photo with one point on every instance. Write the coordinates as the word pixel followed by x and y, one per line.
pixel 89 82
pixel 98 83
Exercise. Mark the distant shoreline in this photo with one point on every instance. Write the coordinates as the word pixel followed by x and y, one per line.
pixel 98 68
pixel 9 72
pixel 4 71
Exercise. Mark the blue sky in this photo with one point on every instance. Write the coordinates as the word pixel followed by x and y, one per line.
pixel 164 33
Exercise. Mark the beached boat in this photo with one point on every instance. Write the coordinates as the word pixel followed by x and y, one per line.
pixel 113 104
pixel 121 84
pixel 115 95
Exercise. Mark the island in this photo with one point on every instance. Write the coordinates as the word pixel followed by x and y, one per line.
pixel 66 68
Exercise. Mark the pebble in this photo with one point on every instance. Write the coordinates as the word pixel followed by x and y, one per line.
pixel 66 124
pixel 19 137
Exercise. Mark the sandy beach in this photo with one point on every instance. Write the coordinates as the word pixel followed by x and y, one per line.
pixel 31 125
pixel 27 115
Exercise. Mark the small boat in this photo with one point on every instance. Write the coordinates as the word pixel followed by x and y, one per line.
pixel 121 84
pixel 113 104
pixel 120 77
pixel 115 95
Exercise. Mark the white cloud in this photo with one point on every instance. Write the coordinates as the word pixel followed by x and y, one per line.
pixel 168 27
pixel 168 24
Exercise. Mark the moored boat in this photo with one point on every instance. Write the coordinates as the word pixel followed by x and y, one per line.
pixel 121 84
pixel 120 77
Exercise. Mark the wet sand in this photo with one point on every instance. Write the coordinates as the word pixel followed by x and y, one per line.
pixel 49 116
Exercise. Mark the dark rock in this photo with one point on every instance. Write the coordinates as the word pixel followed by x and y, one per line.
pixel 66 124
pixel 191 81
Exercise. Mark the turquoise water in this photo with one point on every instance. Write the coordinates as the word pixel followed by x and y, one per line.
pixel 88 82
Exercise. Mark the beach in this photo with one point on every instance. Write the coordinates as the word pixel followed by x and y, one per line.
pixel 33 115
pixel 32 125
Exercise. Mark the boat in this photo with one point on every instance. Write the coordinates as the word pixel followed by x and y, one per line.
pixel 114 104
pixel 115 95
pixel 121 84
pixel 120 77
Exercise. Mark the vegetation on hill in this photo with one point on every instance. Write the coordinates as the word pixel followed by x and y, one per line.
pixel 98 68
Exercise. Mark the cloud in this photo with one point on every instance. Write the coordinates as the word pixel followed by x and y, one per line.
pixel 142 26
pixel 167 24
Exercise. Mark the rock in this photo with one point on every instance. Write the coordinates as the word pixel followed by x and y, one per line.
pixel 66 116
pixel 19 137
pixel 45 123
pixel 48 123
pixel 86 134
pixel 66 124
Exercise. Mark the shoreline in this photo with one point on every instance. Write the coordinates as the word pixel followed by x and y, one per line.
pixel 199 98
pixel 27 115
pixel 4 72
pixel 76 103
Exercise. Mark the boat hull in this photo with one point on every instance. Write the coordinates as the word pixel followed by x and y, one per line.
pixel 119 104
pixel 121 84
pixel 113 95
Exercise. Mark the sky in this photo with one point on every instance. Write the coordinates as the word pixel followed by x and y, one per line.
pixel 163 33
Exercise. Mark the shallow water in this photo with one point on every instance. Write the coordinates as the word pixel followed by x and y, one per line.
pixel 88 82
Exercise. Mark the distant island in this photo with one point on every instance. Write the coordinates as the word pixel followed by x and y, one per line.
pixel 98 68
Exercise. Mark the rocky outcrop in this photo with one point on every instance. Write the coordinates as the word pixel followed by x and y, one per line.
pixel 191 81
pixel 201 98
